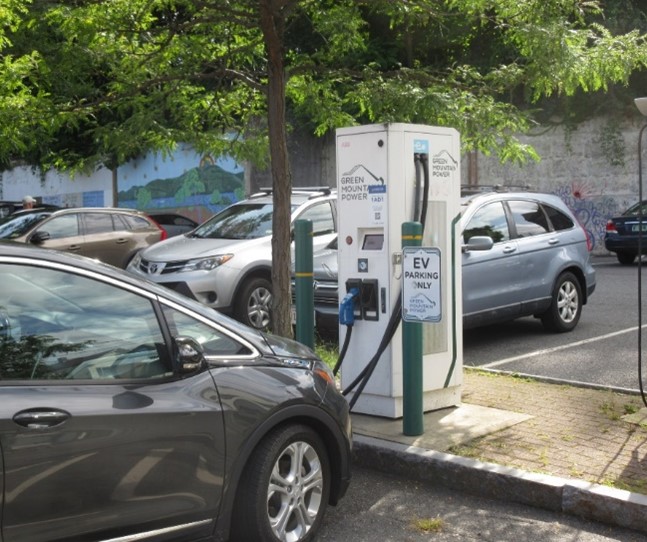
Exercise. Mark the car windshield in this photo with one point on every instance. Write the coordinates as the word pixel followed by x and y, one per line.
pixel 635 209
pixel 14 226
pixel 244 221
pixel 247 221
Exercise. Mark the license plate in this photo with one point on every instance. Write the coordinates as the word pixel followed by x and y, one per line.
pixel 636 227
pixel 293 315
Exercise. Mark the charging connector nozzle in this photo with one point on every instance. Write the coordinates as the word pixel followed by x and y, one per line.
pixel 347 307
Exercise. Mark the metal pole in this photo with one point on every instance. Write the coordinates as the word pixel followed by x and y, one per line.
pixel 304 291
pixel 412 406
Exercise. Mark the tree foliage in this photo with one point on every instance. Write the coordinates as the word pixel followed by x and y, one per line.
pixel 85 83
pixel 88 82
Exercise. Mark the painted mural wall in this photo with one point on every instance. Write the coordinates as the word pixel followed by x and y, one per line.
pixel 196 185
pixel 593 168
pixel 57 188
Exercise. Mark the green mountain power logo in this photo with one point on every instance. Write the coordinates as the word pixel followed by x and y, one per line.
pixel 443 165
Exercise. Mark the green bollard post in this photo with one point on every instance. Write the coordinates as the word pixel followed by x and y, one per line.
pixel 412 404
pixel 304 291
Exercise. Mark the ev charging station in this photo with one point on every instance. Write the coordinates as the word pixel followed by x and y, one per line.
pixel 380 170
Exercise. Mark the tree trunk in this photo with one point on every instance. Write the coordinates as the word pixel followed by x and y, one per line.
pixel 272 25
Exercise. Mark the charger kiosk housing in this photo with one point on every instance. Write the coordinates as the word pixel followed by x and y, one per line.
pixel 377 192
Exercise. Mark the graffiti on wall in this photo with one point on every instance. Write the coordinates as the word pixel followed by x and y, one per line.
pixel 591 207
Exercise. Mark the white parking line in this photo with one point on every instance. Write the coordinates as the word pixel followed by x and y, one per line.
pixel 558 348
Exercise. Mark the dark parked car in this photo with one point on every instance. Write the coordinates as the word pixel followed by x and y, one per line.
pixel 111 235
pixel 173 223
pixel 130 412
pixel 524 254
pixel 622 232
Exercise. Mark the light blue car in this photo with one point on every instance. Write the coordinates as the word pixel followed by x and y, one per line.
pixel 524 254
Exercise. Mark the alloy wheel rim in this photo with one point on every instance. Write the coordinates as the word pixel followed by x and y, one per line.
pixel 568 302
pixel 258 308
pixel 294 494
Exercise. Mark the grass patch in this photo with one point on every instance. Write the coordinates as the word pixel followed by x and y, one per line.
pixel 328 352
pixel 575 472
pixel 465 450
pixel 631 408
pixel 431 525
pixel 609 410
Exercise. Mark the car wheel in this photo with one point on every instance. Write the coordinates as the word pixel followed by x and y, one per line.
pixel 255 304
pixel 626 258
pixel 566 306
pixel 284 490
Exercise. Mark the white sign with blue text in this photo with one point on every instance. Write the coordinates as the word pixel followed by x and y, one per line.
pixel 421 300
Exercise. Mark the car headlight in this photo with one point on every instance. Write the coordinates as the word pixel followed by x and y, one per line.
pixel 207 264
pixel 136 260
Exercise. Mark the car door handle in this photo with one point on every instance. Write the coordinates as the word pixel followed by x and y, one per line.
pixel 553 241
pixel 39 418
pixel 509 249
pixel 74 248
pixel 121 241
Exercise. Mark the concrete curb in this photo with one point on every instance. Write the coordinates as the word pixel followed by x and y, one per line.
pixel 575 497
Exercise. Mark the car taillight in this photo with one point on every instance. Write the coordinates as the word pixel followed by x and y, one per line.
pixel 611 227
pixel 589 238
pixel 164 232
pixel 589 241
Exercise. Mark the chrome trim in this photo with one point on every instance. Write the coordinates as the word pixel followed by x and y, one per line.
pixel 150 534
pixel 255 353
pixel 78 271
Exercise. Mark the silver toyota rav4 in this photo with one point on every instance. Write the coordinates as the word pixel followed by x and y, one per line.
pixel 226 262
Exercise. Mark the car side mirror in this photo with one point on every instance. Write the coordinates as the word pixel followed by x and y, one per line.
pixel 190 356
pixel 39 237
pixel 478 242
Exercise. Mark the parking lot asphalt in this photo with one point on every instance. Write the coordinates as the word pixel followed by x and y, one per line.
pixel 576 450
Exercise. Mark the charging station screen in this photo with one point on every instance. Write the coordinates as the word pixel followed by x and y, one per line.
pixel 373 241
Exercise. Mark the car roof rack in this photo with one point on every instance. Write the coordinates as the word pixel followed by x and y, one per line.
pixel 312 191
pixel 469 189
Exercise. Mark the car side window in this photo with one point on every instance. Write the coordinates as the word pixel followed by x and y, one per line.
pixel 62 226
pixel 322 219
pixel 490 221
pixel 213 341
pixel 56 325
pixel 135 222
pixel 558 219
pixel 98 223
pixel 529 218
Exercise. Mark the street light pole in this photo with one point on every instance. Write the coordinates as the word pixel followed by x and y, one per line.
pixel 641 104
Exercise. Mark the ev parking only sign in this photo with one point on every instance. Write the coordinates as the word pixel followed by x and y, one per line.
pixel 421 284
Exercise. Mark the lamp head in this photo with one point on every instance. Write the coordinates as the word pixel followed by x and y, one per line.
pixel 641 104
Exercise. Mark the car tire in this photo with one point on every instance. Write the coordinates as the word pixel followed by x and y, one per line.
pixel 254 304
pixel 626 258
pixel 284 490
pixel 566 305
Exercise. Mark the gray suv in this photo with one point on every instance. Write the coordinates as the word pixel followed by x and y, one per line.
pixel 226 262
pixel 524 254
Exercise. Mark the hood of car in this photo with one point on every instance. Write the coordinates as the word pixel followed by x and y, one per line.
pixel 183 247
